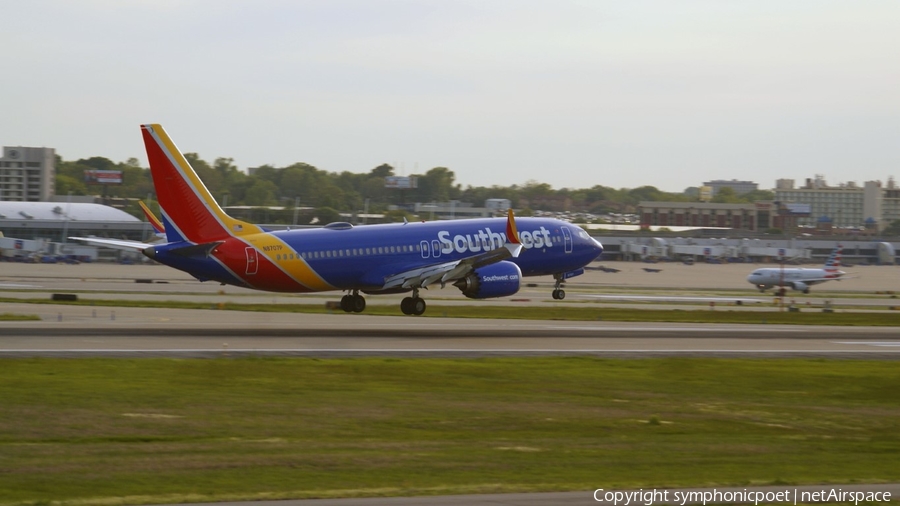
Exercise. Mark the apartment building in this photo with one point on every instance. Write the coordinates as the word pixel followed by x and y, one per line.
pixel 27 174
pixel 847 204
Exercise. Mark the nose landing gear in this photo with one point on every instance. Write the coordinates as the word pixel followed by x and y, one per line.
pixel 558 292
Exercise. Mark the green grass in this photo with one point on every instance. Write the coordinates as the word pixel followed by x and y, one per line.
pixel 155 430
pixel 13 317
pixel 558 312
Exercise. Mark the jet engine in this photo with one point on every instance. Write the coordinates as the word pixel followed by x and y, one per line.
pixel 800 287
pixel 495 280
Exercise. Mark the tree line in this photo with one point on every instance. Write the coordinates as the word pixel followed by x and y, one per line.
pixel 306 186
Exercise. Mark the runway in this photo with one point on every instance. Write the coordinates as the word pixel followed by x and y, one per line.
pixel 103 331
pixel 85 331
pixel 146 332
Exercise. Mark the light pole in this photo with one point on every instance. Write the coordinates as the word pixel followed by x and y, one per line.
pixel 66 220
pixel 782 290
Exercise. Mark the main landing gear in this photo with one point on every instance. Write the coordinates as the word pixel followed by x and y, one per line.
pixel 558 292
pixel 354 303
pixel 414 305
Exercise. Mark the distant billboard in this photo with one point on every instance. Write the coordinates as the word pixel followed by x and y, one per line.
pixel 401 182
pixel 798 209
pixel 103 176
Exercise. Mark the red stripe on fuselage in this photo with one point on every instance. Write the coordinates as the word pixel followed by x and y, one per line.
pixel 232 253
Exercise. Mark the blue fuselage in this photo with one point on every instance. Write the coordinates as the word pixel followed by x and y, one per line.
pixel 362 257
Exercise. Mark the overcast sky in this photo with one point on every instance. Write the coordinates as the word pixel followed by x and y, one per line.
pixel 571 93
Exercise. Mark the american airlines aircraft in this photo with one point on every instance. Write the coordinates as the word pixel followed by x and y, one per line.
pixel 798 278
pixel 481 257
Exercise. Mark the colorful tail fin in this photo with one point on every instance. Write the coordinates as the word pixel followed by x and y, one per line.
pixel 834 260
pixel 152 219
pixel 186 204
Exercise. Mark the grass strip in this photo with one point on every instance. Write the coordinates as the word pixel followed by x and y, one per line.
pixel 13 317
pixel 559 312
pixel 112 431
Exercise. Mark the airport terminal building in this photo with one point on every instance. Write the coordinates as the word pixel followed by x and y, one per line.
pixel 749 218
pixel 41 227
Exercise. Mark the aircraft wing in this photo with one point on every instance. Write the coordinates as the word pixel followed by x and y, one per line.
pixel 120 244
pixel 422 277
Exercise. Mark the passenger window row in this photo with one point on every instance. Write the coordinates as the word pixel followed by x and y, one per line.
pixel 350 252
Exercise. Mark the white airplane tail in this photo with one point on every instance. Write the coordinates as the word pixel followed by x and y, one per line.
pixel 834 260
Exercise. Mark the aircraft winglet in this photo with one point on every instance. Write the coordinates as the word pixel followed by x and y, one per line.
pixel 512 233
pixel 513 244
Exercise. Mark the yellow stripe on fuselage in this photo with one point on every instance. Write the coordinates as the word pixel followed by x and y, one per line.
pixel 297 268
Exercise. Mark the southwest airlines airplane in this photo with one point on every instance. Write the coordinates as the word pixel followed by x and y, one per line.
pixel 798 278
pixel 482 257
pixel 159 230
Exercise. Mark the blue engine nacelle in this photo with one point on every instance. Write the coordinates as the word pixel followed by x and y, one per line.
pixel 496 280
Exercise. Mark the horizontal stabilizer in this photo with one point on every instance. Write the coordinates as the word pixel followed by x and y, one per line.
pixel 119 244
pixel 194 250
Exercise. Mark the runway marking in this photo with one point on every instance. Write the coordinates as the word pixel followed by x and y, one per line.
pixel 871 343
pixel 668 329
pixel 427 350
pixel 674 299
pixel 14 285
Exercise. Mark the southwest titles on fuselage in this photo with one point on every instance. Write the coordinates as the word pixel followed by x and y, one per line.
pixel 486 240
